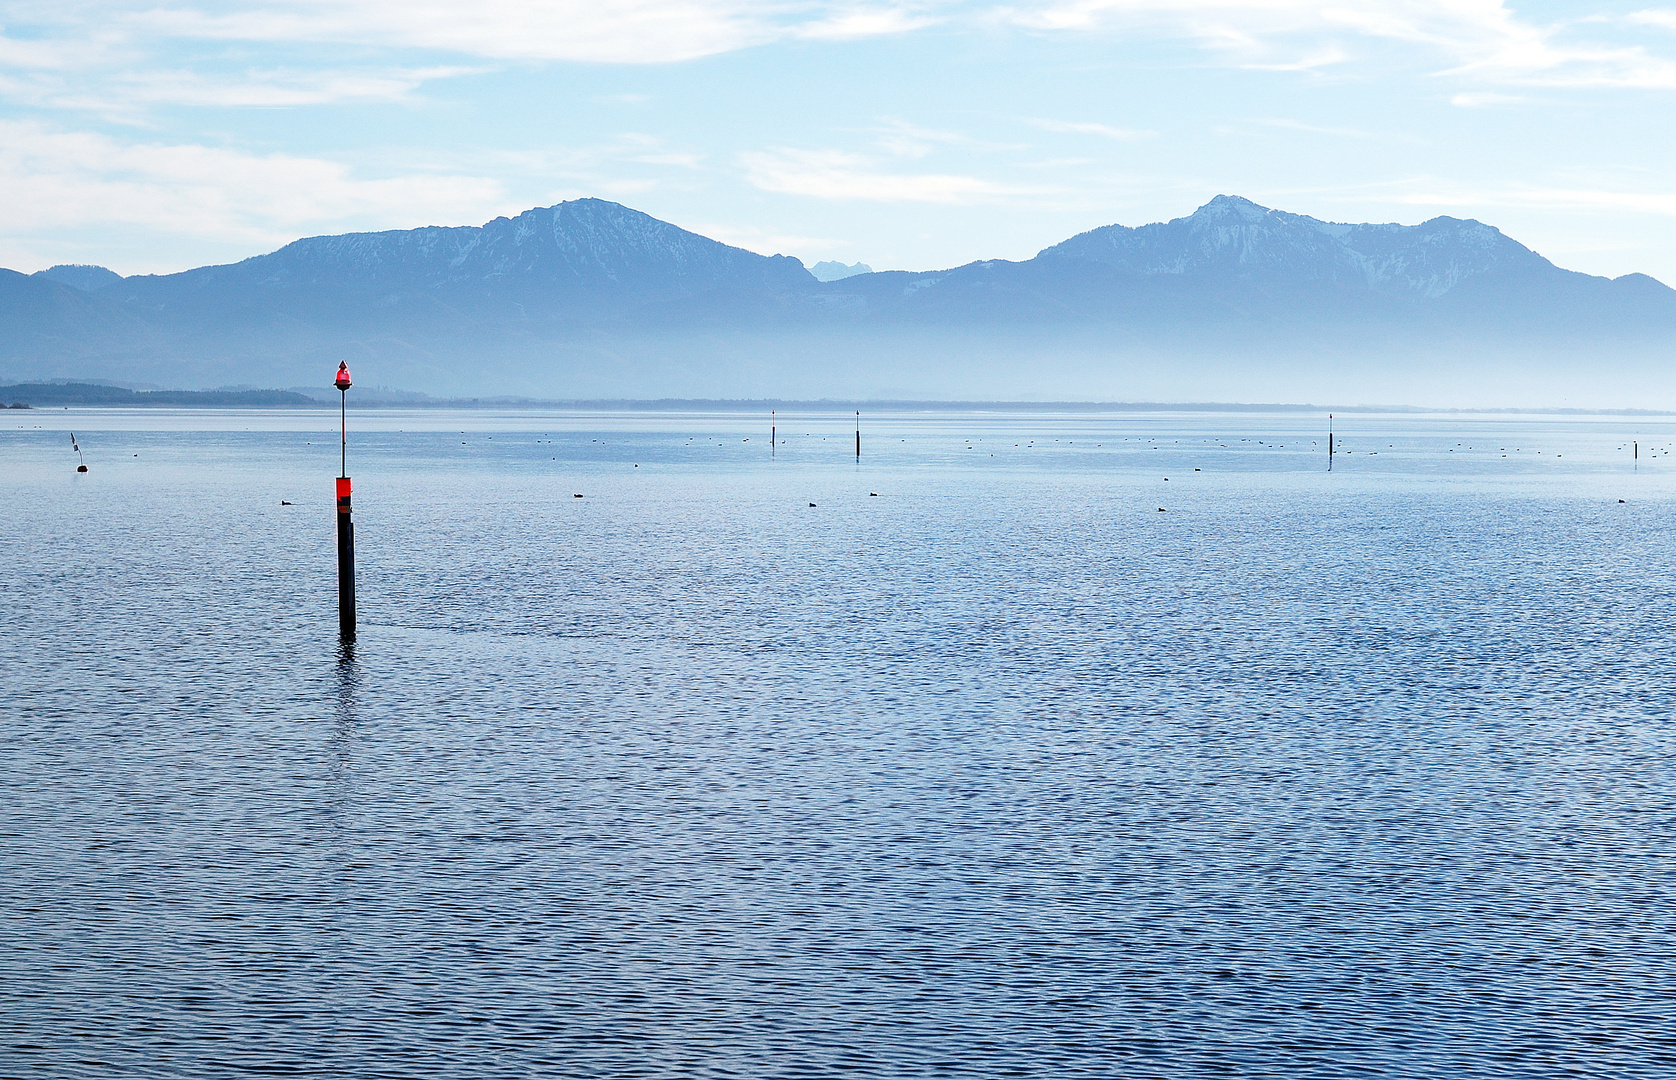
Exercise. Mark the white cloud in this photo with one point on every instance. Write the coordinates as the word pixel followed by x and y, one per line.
pixel 1662 204
pixel 625 164
pixel 1665 18
pixel 1316 60
pixel 834 174
pixel 53 179
pixel 126 97
pixel 876 21
pixel 1486 99
pixel 1068 127
pixel 1481 40
pixel 61 37
pixel 1590 194
pixel 616 31
pixel 627 187
pixel 279 88
pixel 900 138
pixel 767 242
pixel 1313 129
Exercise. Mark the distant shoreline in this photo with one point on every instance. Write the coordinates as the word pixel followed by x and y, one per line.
pixel 101 395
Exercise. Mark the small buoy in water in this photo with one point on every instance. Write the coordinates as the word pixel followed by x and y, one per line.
pixel 1198 470
pixel 578 496
pixel 873 494
pixel 283 502
pixel 83 468
pixel 1161 510
pixel 811 504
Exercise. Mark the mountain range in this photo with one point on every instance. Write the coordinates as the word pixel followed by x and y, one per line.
pixel 591 299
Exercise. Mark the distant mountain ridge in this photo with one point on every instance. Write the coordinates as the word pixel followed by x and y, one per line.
pixel 832 270
pixel 71 393
pixel 589 298
pixel 80 276
pixel 1235 237
pixel 584 249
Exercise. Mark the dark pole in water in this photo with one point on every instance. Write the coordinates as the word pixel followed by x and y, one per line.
pixel 772 430
pixel 1635 454
pixel 858 434
pixel 1329 442
pixel 346 524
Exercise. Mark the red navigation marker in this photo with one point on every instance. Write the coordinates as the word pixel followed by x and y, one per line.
pixel 346 524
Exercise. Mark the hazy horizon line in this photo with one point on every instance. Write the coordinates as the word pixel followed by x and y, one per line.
pixel 388 397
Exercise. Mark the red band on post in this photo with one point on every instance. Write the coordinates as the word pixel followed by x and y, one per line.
pixel 343 487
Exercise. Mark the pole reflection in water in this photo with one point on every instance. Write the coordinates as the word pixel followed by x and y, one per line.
pixel 345 720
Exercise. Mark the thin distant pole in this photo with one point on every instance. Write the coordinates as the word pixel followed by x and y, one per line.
pixel 858 434
pixel 1329 442
pixel 772 429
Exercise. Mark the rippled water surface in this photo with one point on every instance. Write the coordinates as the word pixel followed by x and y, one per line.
pixel 1035 763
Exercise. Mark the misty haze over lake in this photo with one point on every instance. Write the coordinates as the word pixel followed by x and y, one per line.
pixel 590 300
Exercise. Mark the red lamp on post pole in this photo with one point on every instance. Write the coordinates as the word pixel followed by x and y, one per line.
pixel 343 383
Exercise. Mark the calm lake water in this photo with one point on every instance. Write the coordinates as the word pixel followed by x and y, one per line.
pixel 998 772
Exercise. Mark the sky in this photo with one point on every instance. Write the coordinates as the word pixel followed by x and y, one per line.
pixel 156 135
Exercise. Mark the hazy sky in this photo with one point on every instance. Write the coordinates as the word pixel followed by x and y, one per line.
pixel 155 135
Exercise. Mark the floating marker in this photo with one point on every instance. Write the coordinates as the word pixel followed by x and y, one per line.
pixel 346 523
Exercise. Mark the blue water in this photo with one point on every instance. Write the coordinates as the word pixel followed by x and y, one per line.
pixel 999 772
